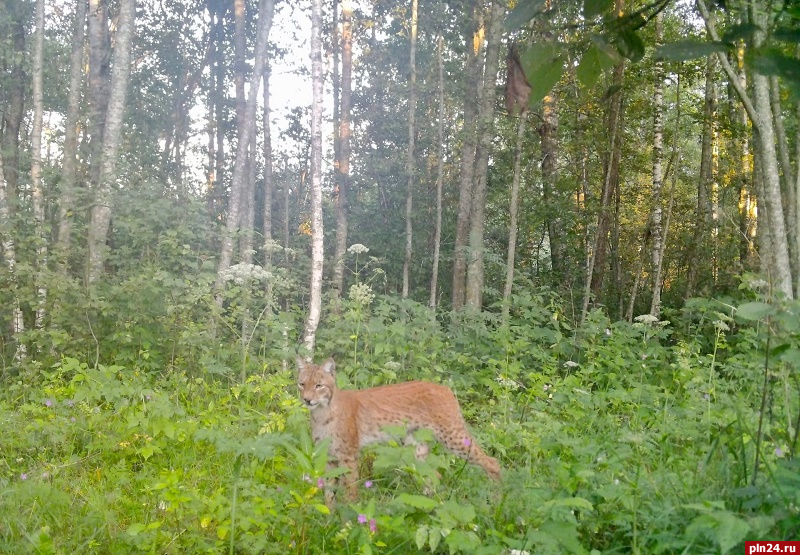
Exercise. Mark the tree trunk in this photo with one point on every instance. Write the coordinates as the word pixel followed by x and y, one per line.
pixel 759 111
pixel 37 191
pixel 513 208
pixel 475 267
pixel 317 231
pixel 548 141
pixel 473 92
pixel 269 179
pixel 10 259
pixel 656 231
pixel 240 179
pixel 69 170
pixel 437 234
pixel 787 183
pixel 100 216
pixel 14 113
pixel 98 84
pixel 342 166
pixel 703 210
pixel 595 271
pixel 412 129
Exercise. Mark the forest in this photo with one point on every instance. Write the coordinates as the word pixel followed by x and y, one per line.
pixel 583 217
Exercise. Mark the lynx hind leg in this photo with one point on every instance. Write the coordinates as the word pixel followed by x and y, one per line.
pixel 458 440
pixel 347 481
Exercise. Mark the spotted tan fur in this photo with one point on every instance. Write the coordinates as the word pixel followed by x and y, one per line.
pixel 355 418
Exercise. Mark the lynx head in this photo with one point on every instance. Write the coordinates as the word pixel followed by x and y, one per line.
pixel 316 382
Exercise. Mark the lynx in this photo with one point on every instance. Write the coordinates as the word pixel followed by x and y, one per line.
pixel 355 418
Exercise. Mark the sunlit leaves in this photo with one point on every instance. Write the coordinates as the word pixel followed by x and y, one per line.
pixel 630 44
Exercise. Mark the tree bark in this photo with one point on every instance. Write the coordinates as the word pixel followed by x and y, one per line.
pixel 269 178
pixel 10 259
pixel 475 267
pixel 317 231
pixel 472 95
pixel 513 209
pixel 656 230
pixel 342 166
pixel 437 234
pixel 37 192
pixel 69 170
pixel 14 113
pixel 98 84
pixel 100 216
pixel 412 129
pixel 703 211
pixel 548 141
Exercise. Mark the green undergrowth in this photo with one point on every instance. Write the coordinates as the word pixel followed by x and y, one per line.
pixel 650 437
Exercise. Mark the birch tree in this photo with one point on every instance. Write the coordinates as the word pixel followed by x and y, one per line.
pixel 342 165
pixel 69 169
pixel 437 233
pixel 475 267
pixel 656 231
pixel 100 214
pixel 317 231
pixel 412 115
pixel 10 259
pixel 37 192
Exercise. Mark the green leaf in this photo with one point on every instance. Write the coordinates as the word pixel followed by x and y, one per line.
pixel 787 34
pixel 743 31
pixel 593 8
pixel 683 50
pixel 543 65
pixel 135 529
pixel 630 44
pixel 322 508
pixel 593 63
pixel 417 501
pixel 754 310
pixel 773 62
pixel 565 533
pixel 524 11
pixel 421 537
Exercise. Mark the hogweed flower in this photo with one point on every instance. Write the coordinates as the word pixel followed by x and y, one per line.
pixel 361 293
pixel 357 248
pixel 238 273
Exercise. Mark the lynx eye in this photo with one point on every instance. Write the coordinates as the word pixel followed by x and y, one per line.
pixel 300 385
pixel 319 386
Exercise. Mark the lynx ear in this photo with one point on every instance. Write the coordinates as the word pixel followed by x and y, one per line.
pixel 328 366
pixel 301 363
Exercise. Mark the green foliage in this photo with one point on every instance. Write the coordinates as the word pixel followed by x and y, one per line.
pixel 612 436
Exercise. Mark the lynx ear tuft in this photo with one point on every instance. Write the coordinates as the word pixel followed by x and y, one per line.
pixel 328 366
pixel 301 363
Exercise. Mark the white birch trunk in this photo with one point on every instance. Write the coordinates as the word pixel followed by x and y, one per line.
pixel 513 209
pixel 10 259
pixel 342 169
pixel 658 174
pixel 317 231
pixel 437 234
pixel 100 216
pixel 412 128
pixel 36 166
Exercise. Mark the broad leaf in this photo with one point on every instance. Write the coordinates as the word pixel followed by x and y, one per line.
pixel 543 65
pixel 630 45
pixel 681 51
pixel 565 533
pixel 743 31
pixel 524 11
pixel 593 63
pixel 417 501
pixel 754 310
